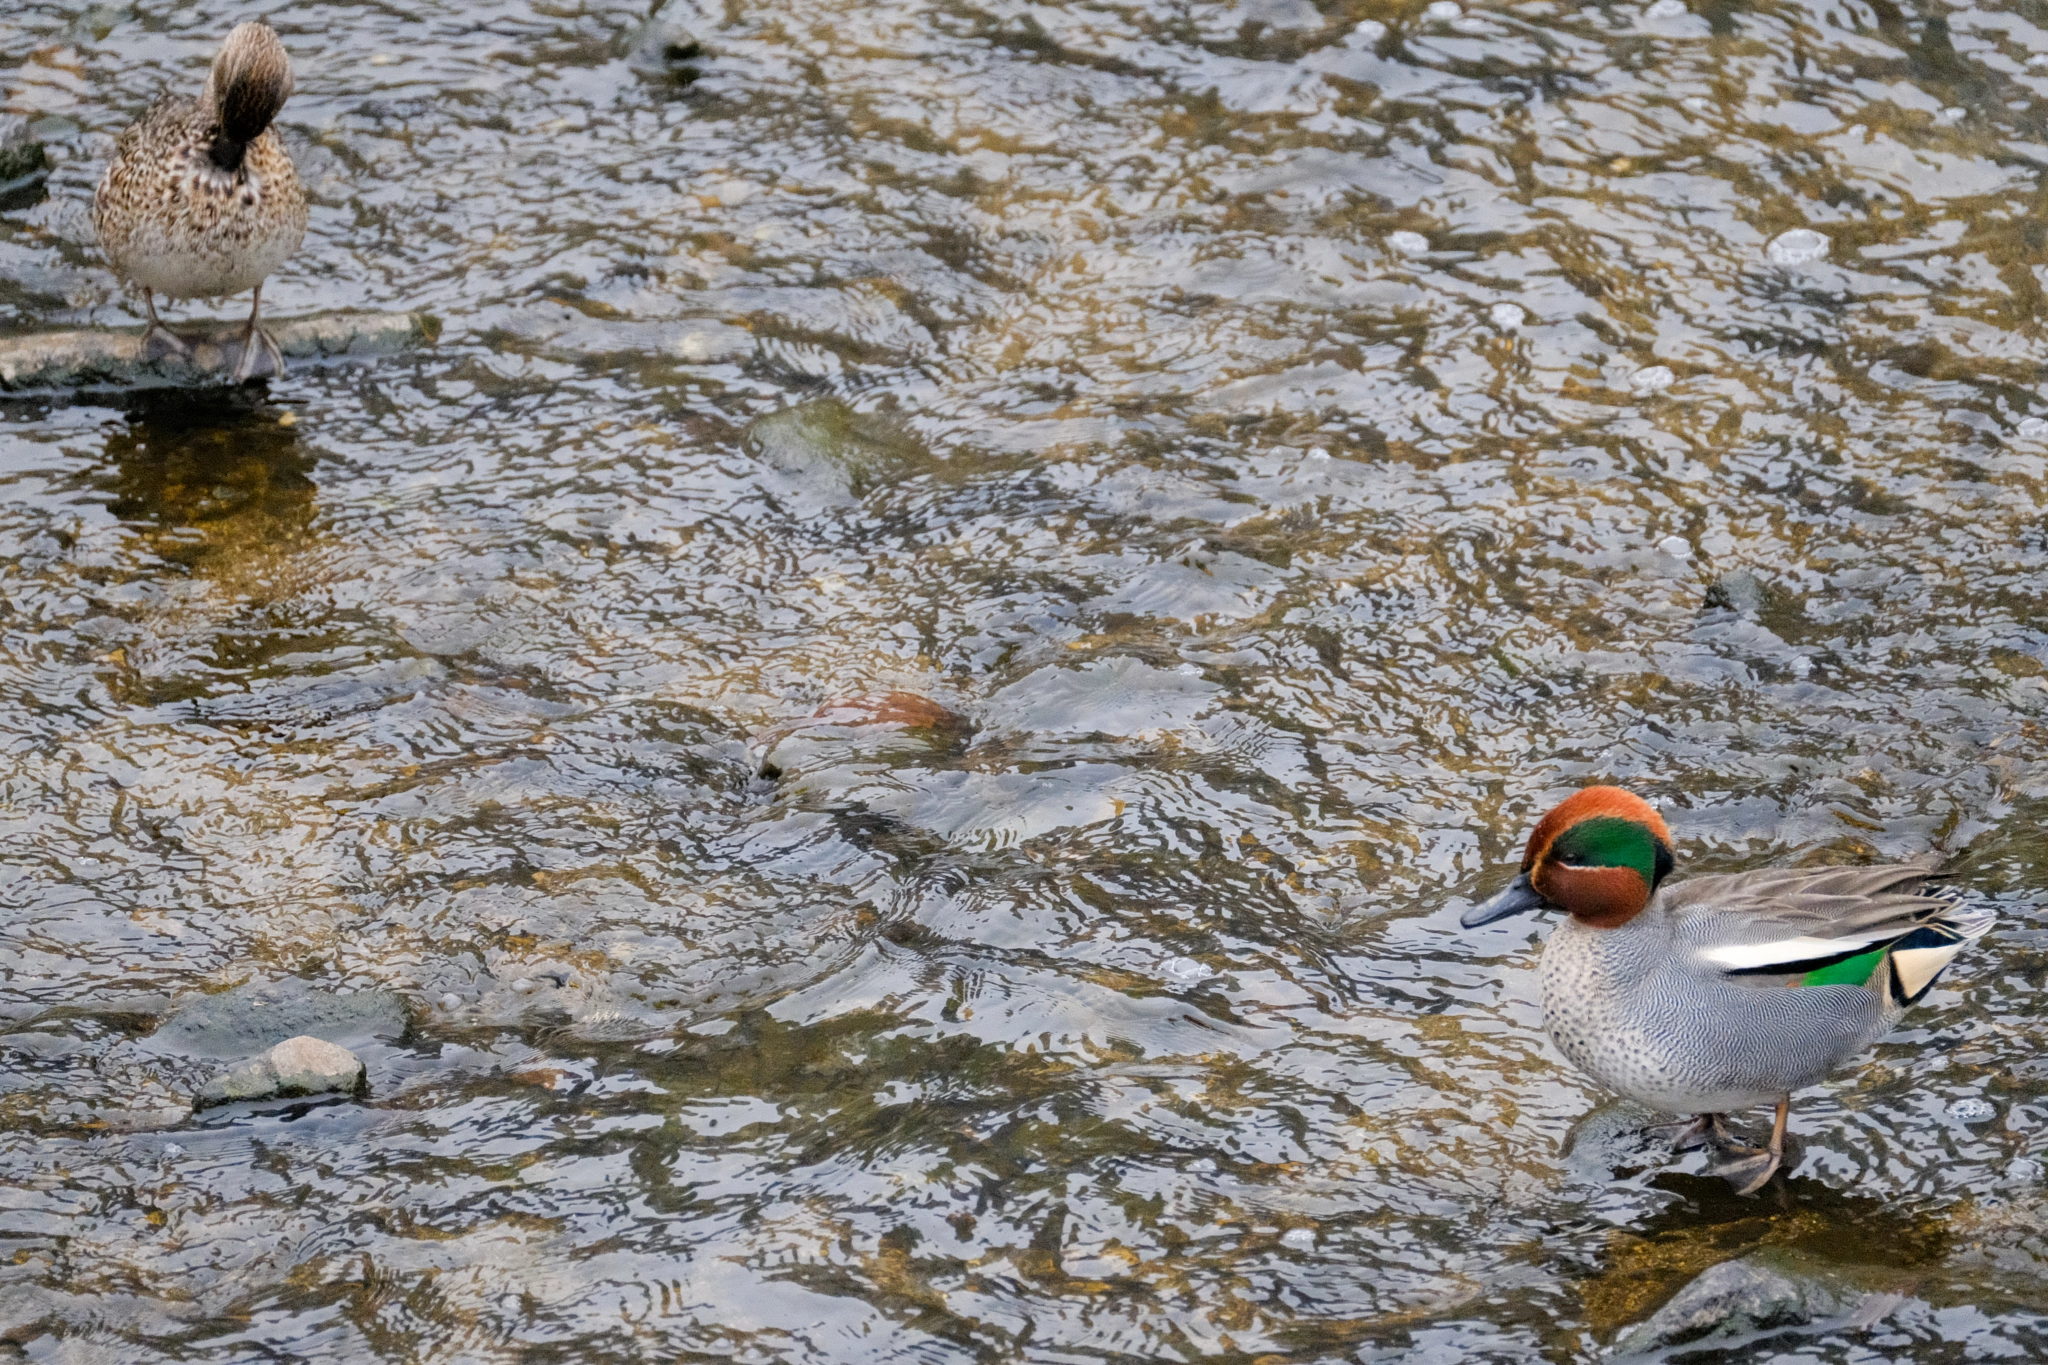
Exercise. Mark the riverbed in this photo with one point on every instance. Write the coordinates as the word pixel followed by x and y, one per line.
pixel 1289 446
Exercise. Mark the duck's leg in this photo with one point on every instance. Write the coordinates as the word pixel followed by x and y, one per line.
pixel 1747 1168
pixel 260 354
pixel 158 340
pixel 1702 1130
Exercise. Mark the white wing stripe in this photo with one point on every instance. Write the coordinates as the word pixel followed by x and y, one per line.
pixel 1743 956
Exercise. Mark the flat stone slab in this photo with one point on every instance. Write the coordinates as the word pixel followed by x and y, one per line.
pixel 112 357
pixel 297 1066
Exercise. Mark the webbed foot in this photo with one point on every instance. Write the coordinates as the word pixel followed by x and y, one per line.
pixel 1703 1130
pixel 260 356
pixel 1746 1169
pixel 160 342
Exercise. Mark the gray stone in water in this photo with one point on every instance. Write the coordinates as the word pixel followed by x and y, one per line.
pixel 251 1018
pixel 21 152
pixel 564 334
pixel 664 45
pixel 827 454
pixel 296 1066
pixel 1771 1288
pixel 1118 696
pixel 69 360
pixel 1738 590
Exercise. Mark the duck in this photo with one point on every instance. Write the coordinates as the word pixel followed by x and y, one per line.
pixel 1712 995
pixel 202 200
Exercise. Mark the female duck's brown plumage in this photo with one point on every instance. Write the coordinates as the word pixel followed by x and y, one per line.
pixel 202 199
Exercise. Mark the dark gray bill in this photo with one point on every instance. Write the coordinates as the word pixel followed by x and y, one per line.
pixel 1517 899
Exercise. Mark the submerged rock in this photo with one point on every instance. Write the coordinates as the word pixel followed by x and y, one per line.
pixel 892 720
pixel 297 1066
pixel 1738 590
pixel 67 360
pixel 24 165
pixel 664 47
pixel 251 1018
pixel 1770 1288
pixel 824 453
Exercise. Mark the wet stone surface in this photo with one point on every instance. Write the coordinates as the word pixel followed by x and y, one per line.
pixel 295 1067
pixel 1250 420
pixel 1765 1291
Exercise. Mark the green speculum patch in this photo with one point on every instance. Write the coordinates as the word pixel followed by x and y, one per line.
pixel 1852 971
pixel 1610 841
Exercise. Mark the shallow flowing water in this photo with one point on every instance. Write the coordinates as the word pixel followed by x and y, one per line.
pixel 1295 443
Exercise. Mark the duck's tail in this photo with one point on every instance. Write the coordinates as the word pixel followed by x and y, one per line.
pixel 252 78
pixel 1916 961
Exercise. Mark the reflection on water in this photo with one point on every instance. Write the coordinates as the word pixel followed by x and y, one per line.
pixel 1290 443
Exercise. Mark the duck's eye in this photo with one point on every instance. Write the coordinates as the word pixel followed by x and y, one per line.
pixel 1572 860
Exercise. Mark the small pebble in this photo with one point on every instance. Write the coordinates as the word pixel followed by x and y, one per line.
pixel 1299 1239
pixel 2024 1170
pixel 1185 969
pixel 1443 11
pixel 1651 378
pixel 2032 428
pixel 450 1001
pixel 524 987
pixel 1665 9
pixel 1408 243
pixel 1800 246
pixel 1506 316
pixel 1973 1110
pixel 1678 547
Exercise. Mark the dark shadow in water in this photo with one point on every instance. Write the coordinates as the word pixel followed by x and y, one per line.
pixel 1708 1223
pixel 199 458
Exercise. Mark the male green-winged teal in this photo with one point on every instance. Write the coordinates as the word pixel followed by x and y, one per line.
pixel 201 198
pixel 1719 994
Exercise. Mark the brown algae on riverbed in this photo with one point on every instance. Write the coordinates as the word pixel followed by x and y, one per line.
pixel 1297 442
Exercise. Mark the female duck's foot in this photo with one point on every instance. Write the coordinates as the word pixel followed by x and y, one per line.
pixel 260 355
pixel 1703 1130
pixel 1748 1169
pixel 160 342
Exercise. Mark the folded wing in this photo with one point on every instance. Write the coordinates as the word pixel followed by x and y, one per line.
pixel 1872 926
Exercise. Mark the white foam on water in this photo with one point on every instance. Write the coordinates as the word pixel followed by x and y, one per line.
pixel 1972 1110
pixel 1800 246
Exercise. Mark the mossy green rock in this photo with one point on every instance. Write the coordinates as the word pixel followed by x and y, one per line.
pixel 1773 1287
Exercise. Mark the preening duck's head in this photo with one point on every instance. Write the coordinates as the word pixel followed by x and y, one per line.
pixel 251 80
pixel 1598 856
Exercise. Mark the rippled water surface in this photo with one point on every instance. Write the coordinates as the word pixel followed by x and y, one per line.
pixel 1246 423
